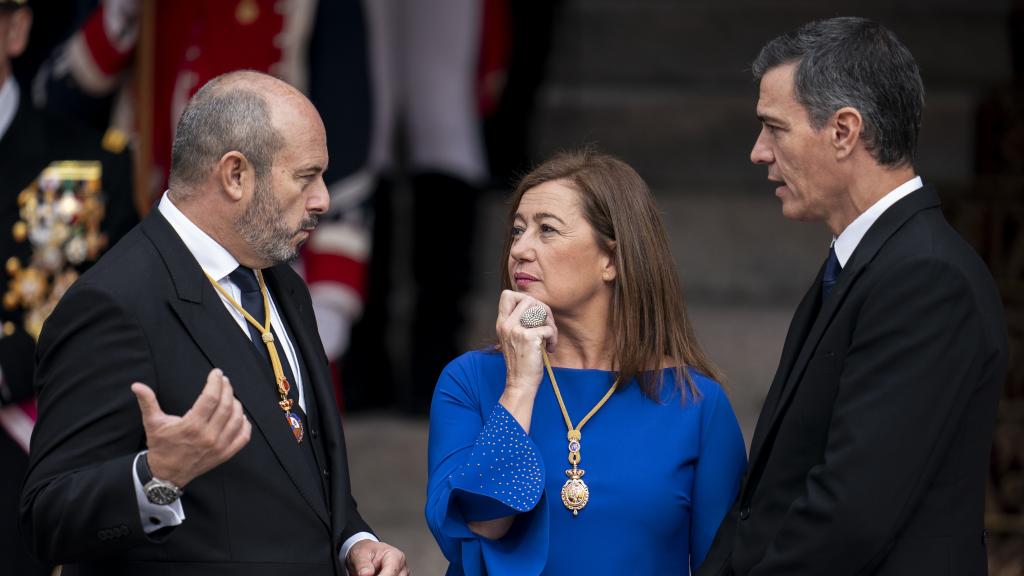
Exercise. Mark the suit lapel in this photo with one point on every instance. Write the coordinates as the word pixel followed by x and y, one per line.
pixel 216 333
pixel 788 378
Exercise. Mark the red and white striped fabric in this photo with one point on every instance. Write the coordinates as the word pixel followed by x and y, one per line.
pixel 18 420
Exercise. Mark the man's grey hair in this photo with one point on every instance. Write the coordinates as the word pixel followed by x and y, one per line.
pixel 858 63
pixel 221 117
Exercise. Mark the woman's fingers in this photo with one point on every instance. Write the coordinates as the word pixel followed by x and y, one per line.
pixel 507 302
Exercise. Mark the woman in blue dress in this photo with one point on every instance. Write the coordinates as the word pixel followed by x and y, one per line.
pixel 594 438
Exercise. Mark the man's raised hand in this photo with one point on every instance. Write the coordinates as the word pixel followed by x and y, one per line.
pixel 211 432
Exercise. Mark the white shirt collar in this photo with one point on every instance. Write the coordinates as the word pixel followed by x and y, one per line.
pixel 9 97
pixel 214 259
pixel 847 242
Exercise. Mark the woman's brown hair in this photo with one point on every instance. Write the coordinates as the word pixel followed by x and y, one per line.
pixel 648 313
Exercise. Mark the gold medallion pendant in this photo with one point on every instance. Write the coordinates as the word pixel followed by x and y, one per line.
pixel 575 493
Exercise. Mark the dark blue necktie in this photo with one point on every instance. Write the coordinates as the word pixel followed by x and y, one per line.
pixel 252 302
pixel 831 275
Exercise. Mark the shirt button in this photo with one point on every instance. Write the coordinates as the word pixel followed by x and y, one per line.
pixel 745 513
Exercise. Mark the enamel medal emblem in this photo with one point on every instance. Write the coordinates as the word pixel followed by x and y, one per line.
pixel 295 423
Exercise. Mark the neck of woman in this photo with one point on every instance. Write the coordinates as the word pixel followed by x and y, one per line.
pixel 584 341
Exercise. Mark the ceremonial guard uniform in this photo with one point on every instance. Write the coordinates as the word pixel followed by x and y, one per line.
pixel 39 253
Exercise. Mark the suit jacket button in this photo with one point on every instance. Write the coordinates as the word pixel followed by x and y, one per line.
pixel 745 513
pixel 327 473
pixel 313 433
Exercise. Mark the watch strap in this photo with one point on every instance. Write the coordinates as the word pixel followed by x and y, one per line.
pixel 142 469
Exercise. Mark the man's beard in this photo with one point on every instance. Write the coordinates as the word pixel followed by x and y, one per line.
pixel 261 227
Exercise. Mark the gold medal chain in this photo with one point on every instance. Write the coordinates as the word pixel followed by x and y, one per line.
pixel 267 336
pixel 575 493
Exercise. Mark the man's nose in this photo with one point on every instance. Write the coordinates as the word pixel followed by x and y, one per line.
pixel 320 200
pixel 761 153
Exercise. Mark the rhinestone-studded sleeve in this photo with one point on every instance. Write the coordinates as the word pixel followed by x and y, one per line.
pixel 483 466
pixel 503 467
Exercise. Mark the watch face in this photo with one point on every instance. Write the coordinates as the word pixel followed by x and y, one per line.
pixel 162 494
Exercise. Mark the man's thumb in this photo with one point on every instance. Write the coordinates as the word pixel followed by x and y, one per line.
pixel 148 404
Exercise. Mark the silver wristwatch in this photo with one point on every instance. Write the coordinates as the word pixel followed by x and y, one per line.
pixel 160 492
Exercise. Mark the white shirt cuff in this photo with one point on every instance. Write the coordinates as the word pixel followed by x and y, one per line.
pixel 357 537
pixel 154 516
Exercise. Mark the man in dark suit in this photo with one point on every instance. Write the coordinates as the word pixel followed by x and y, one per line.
pixel 198 307
pixel 29 142
pixel 871 451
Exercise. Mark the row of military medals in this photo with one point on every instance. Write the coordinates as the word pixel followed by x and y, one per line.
pixel 60 215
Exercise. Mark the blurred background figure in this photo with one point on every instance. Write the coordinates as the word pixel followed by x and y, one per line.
pixel 51 228
pixel 133 66
pixel 453 85
pixel 424 57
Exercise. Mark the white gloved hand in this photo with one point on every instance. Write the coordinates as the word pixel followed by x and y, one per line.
pixel 335 330
pixel 121 22
pixel 336 307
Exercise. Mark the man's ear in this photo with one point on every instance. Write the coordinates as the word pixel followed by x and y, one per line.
pixel 846 127
pixel 235 175
pixel 17 32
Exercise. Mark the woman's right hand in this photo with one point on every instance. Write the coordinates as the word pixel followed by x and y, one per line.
pixel 521 346
pixel 524 370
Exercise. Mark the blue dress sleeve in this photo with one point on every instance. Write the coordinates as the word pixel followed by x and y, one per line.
pixel 720 465
pixel 482 465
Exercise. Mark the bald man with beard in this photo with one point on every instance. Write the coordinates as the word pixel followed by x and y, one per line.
pixel 186 421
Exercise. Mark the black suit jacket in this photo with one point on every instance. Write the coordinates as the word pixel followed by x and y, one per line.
pixel 145 312
pixel 870 455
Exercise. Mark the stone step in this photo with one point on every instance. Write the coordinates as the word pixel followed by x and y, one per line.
pixel 745 342
pixel 684 42
pixel 388 469
pixel 678 137
pixel 741 250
